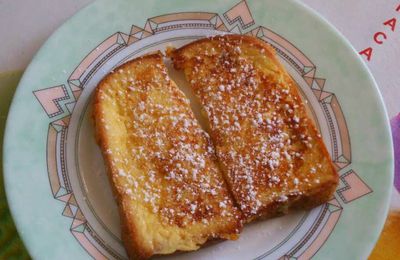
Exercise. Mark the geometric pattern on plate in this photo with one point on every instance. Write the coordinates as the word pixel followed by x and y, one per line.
pixel 52 99
pixel 354 187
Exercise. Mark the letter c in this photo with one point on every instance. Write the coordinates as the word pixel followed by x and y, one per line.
pixel 377 36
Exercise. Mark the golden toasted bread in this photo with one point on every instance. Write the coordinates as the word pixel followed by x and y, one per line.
pixel 270 151
pixel 161 164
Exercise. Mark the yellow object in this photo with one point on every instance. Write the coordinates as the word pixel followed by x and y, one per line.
pixel 388 246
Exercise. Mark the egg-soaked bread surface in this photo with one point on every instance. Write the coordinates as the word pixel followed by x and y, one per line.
pixel 161 164
pixel 271 153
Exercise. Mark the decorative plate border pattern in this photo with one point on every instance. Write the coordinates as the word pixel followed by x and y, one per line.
pixel 58 102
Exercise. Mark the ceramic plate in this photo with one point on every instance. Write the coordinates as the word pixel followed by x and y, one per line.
pixel 55 178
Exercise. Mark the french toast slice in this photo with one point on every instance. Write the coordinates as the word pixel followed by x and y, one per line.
pixel 271 153
pixel 161 164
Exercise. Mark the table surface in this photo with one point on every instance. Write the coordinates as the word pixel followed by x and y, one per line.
pixel 25 25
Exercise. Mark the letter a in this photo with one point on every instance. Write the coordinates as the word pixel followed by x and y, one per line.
pixel 367 52
pixel 391 23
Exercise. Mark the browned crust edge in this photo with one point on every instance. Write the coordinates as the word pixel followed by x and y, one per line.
pixel 269 51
